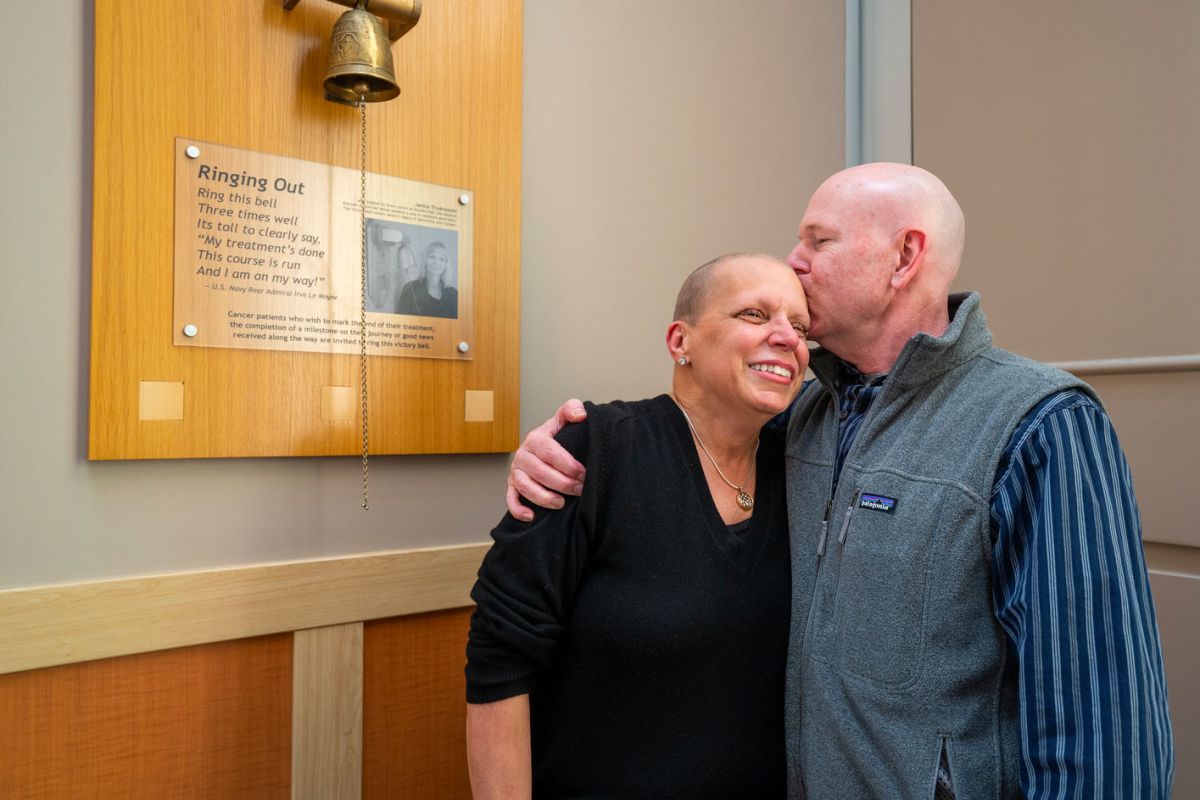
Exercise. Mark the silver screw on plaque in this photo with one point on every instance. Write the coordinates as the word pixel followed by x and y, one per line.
pixel 190 330
pixel 192 151
pixel 464 199
pixel 463 347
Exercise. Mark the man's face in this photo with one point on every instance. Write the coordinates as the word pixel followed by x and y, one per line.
pixel 842 260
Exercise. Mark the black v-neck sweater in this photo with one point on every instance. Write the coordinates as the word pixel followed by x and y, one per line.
pixel 651 637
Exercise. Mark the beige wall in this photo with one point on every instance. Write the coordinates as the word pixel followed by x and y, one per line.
pixel 1069 133
pixel 656 135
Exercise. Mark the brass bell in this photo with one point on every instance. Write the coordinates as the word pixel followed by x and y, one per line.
pixel 360 60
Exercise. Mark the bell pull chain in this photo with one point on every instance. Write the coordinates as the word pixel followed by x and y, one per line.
pixel 362 307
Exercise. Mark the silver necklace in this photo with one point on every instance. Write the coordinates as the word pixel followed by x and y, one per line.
pixel 744 500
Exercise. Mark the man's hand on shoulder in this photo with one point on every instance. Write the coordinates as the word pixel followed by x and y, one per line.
pixel 542 470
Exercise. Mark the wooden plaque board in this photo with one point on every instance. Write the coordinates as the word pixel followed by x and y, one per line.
pixel 248 75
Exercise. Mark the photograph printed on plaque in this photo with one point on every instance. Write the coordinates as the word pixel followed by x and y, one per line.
pixel 412 269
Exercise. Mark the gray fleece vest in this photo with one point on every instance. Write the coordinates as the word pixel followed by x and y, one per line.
pixel 896 654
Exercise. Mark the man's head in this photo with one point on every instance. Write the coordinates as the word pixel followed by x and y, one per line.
pixel 879 246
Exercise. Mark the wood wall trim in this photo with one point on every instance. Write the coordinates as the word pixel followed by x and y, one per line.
pixel 49 625
pixel 1172 559
pixel 327 713
pixel 1127 366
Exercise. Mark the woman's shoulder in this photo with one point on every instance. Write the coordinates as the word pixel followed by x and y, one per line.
pixel 612 418
pixel 616 412
pixel 615 426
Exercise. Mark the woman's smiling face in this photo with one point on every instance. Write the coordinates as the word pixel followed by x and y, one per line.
pixel 436 261
pixel 748 344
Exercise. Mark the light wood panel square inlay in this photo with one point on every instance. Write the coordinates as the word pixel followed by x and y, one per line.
pixel 160 400
pixel 338 403
pixel 479 406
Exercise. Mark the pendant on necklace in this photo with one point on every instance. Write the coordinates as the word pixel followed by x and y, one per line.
pixel 745 501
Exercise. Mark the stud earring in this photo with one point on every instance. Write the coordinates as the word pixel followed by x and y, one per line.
pixel 682 361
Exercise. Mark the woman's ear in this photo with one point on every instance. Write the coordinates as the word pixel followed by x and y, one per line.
pixel 677 340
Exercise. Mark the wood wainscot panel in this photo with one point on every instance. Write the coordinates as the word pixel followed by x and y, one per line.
pixel 414 707
pixel 206 721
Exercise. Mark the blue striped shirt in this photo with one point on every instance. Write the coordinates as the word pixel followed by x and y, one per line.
pixel 1071 592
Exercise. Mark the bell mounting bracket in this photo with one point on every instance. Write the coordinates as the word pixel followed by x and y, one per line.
pixel 401 15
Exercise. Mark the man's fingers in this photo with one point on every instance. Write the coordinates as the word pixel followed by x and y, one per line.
pixel 547 463
pixel 542 470
pixel 533 491
pixel 512 499
pixel 542 457
pixel 570 411
pixel 538 470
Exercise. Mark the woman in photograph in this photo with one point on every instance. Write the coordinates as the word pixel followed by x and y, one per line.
pixel 428 295
pixel 633 642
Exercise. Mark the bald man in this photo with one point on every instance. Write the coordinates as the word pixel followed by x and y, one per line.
pixel 971 615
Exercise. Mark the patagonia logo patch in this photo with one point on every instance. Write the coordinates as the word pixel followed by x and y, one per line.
pixel 877 502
